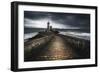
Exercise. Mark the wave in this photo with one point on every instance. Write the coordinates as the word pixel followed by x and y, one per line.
pixel 29 35
pixel 82 35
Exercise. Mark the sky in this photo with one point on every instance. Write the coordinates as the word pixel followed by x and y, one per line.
pixel 57 20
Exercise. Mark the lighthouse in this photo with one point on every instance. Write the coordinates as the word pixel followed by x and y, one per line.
pixel 48 25
pixel 49 28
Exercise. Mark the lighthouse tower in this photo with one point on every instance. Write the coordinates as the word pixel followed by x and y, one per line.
pixel 48 26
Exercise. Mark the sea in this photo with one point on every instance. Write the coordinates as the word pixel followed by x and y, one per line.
pixel 78 34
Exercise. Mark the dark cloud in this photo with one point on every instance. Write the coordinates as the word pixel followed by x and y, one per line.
pixel 35 15
pixel 72 19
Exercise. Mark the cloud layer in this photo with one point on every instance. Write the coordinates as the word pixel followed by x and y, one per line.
pixel 57 20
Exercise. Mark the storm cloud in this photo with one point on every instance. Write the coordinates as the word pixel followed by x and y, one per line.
pixel 57 20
